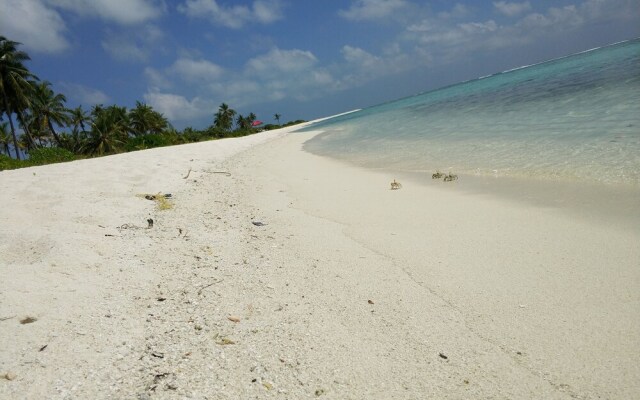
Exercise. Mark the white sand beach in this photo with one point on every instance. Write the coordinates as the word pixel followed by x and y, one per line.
pixel 281 274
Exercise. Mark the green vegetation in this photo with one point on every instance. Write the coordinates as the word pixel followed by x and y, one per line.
pixel 35 121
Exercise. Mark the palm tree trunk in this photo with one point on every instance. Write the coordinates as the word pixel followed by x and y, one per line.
pixel 55 135
pixel 30 142
pixel 13 129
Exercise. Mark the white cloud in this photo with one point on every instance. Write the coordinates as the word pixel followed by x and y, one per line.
pixel 267 11
pixel 438 39
pixel 275 75
pixel 157 79
pixel 361 10
pixel 178 108
pixel 511 9
pixel 277 61
pixel 262 11
pixel 32 23
pixel 83 94
pixel 473 28
pixel 195 71
pixel 357 56
pixel 120 11
pixel 434 32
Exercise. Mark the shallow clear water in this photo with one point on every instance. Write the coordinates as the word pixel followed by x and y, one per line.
pixel 575 118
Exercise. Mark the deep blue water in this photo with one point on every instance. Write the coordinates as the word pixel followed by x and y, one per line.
pixel 576 118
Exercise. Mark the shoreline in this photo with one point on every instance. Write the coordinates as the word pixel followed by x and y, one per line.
pixel 610 204
pixel 341 289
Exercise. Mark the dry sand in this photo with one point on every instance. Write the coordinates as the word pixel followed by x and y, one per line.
pixel 347 290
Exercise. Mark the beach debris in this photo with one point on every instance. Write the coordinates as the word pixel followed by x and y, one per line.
pixel 150 223
pixel 157 355
pixel 157 196
pixel 233 318
pixel 28 320
pixel 188 172
pixel 396 185
pixel 161 298
pixel 43 347
pixel 220 172
pixel 208 285
pixel 6 318
pixel 8 376
pixel 450 177
pixel 267 385
pixel 167 377
pixel 319 392
pixel 258 223
pixel 370 301
pixel 162 200
pixel 437 175
pixel 443 356
pixel 225 341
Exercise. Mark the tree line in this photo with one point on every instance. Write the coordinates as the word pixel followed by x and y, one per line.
pixel 35 122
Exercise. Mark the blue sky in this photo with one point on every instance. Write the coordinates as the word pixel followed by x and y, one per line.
pixel 303 59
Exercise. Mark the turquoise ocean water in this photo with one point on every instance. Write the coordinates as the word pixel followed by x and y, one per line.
pixel 574 119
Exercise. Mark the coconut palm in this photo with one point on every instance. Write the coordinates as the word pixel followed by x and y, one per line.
pixel 78 118
pixel 145 120
pixel 277 117
pixel 48 107
pixel 251 118
pixel 224 117
pixel 5 137
pixel 242 122
pixel 109 130
pixel 14 85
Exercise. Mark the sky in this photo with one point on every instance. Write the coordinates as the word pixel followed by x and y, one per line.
pixel 302 59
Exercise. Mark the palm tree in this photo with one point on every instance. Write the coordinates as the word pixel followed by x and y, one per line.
pixel 224 117
pixel 242 122
pixel 251 119
pixel 78 118
pixel 277 117
pixel 109 130
pixel 49 108
pixel 145 120
pixel 5 137
pixel 14 85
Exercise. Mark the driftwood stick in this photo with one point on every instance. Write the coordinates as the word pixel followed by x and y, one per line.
pixel 188 172
pixel 211 284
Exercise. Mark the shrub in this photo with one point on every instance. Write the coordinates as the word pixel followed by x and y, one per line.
pixel 148 142
pixel 7 162
pixel 49 155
